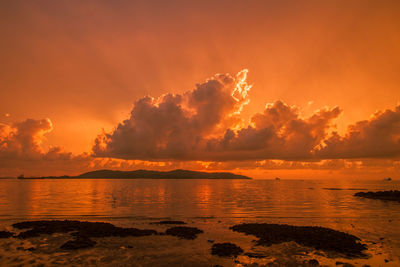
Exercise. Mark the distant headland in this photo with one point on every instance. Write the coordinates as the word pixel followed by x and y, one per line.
pixel 146 174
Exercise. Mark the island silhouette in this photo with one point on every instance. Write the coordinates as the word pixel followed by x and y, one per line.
pixel 146 174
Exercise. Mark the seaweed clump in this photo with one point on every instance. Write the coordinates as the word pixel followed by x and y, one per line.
pixel 5 234
pixel 184 232
pixel 392 195
pixel 82 231
pixel 319 238
pixel 226 250
pixel 87 229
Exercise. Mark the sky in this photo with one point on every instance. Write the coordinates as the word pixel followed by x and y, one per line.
pixel 295 89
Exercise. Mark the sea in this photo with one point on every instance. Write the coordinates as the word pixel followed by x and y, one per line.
pixel 211 205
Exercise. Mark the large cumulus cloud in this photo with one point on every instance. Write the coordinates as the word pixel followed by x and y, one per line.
pixel 204 124
pixel 177 126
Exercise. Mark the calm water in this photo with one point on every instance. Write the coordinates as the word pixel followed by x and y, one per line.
pixel 303 199
pixel 211 205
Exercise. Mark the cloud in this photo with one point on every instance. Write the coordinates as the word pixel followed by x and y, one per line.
pixel 204 124
pixel 202 129
pixel 23 139
pixel 177 126
pixel 378 137
pixel 277 133
pixel 21 150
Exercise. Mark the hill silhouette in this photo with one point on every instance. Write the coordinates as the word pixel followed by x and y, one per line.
pixel 147 174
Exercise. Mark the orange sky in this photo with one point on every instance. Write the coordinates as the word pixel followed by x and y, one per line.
pixel 83 65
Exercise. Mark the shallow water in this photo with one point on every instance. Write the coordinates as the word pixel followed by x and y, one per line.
pixel 214 205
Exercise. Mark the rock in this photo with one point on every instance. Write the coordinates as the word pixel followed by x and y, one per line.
pixel 84 229
pixel 5 234
pixel 320 238
pixel 313 262
pixel 78 243
pixel 255 255
pixel 184 232
pixel 169 222
pixel 332 188
pixel 392 195
pixel 226 250
pixel 210 241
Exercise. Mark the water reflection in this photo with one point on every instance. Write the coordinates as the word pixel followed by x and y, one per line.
pixel 191 198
